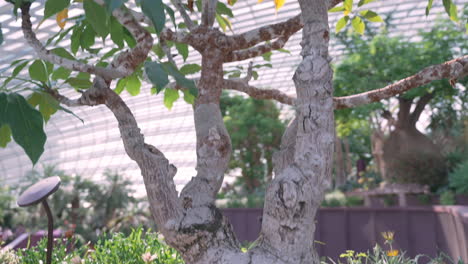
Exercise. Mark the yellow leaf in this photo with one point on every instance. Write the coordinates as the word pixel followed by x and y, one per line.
pixel 61 18
pixel 279 3
pixel 259 1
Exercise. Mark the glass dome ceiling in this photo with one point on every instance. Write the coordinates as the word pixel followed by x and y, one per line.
pixel 89 148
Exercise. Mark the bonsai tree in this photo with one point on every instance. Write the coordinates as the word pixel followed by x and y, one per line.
pixel 189 220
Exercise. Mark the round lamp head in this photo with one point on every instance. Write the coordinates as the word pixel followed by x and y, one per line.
pixel 39 191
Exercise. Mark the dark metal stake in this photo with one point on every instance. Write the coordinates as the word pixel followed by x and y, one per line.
pixel 38 193
pixel 50 231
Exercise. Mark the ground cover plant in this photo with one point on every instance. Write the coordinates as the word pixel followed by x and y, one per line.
pixel 189 220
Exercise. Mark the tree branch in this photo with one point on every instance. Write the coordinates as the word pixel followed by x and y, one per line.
pixel 47 55
pixel 253 37
pixel 128 61
pixel 179 37
pixel 257 93
pixel 208 12
pixel 453 69
pixel 183 13
pixel 257 50
pixel 90 97
pixel 420 105
pixel 287 28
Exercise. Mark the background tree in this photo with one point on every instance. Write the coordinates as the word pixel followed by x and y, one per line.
pixel 408 154
pixel 255 130
pixel 189 221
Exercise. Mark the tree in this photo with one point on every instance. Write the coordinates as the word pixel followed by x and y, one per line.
pixel 189 221
pixel 408 154
pixel 255 130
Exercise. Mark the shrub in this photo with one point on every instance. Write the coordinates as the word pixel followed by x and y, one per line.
pixel 37 254
pixel 458 179
pixel 447 198
pixel 137 248
pixel 8 256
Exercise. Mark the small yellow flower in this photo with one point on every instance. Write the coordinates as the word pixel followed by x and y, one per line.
pixel 392 253
pixel 362 254
pixel 388 235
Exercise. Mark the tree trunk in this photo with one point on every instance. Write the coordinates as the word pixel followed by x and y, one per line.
pixel 409 155
pixel 304 163
pixel 377 144
pixel 340 165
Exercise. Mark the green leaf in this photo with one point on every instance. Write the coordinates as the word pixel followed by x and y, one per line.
pixel 131 42
pixel 111 5
pixel 38 71
pixel 96 16
pixel 170 96
pixel 79 83
pixel 120 86
pixel 337 9
pixel 429 6
pixel 179 77
pixel 63 53
pixel 451 9
pixel 348 5
pixel 188 97
pixel 154 10
pixel 222 9
pixel 25 122
pixel 255 75
pixel 133 85
pixel 157 75
pixel 341 23
pixel 221 22
pixel 267 56
pixel 371 16
pixel 258 66
pixel 157 49
pixel 18 68
pixel 60 74
pixel 183 50
pixel 5 135
pixel 116 32
pixel 171 14
pixel 47 104
pixel 87 37
pixel 363 2
pixel 190 69
pixel 358 25
pixel 75 39
pixel 52 7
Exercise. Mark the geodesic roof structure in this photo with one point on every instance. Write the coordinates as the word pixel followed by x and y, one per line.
pixel 91 147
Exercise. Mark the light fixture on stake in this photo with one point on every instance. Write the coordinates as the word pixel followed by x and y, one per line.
pixel 38 193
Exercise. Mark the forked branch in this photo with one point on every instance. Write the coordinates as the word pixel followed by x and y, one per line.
pixel 47 55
